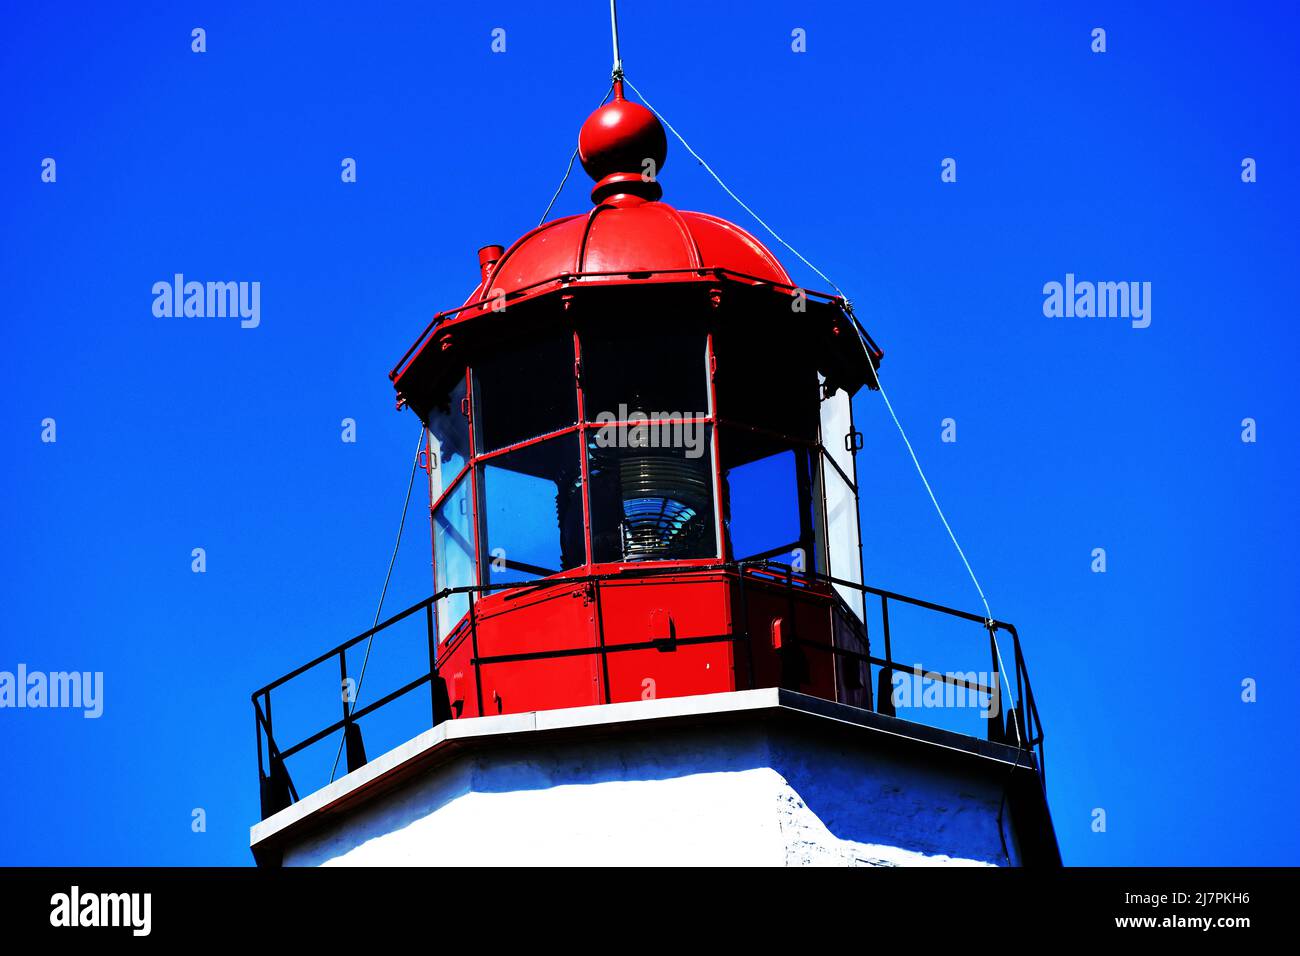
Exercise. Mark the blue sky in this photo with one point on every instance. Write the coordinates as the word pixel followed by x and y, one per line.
pixel 1073 434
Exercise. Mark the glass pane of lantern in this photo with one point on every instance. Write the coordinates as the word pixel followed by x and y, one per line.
pixel 448 439
pixel 532 511
pixel 764 503
pixel 842 537
pixel 769 385
pixel 836 425
pixel 524 390
pixel 644 369
pixel 453 555
pixel 651 492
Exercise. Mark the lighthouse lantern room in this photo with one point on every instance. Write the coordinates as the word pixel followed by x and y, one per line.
pixel 641 457
pixel 649 635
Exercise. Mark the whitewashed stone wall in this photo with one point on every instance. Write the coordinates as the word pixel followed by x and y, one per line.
pixel 720 796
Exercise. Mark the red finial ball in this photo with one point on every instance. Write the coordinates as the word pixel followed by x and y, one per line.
pixel 614 144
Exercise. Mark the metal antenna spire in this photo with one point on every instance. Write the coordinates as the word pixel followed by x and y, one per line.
pixel 613 25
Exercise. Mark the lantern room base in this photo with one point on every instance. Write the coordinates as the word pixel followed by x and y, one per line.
pixel 760 777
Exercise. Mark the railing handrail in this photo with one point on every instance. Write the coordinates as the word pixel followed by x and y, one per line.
pixel 1024 706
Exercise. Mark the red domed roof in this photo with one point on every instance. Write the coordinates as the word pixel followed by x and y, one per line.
pixel 623 148
pixel 631 240
pixel 626 234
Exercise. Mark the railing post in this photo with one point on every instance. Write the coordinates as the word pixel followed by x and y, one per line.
pixel 996 730
pixel 478 668
pixel 261 772
pixel 884 620
pixel 345 692
pixel 434 679
pixel 599 610
pixel 885 691
pixel 1022 713
pixel 257 728
pixel 276 789
pixel 744 620
pixel 433 644
pixel 352 741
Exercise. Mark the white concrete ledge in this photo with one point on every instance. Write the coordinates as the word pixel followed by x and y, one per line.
pixel 451 737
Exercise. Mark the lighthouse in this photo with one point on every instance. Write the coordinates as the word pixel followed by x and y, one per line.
pixel 649 639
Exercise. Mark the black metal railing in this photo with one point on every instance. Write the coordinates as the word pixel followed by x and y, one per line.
pixel 1022 729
